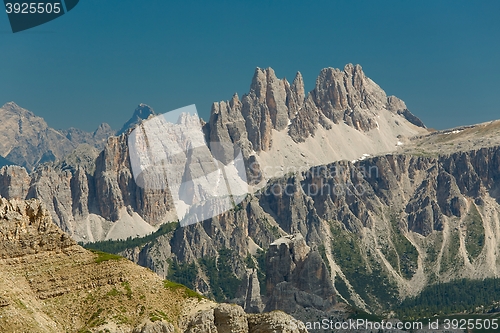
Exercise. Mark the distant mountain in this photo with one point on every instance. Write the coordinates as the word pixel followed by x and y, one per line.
pixel 142 112
pixel 27 140
pixel 97 138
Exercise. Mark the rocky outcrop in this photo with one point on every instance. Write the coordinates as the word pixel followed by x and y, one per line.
pixel 252 300
pixel 26 228
pixel 14 182
pixel 230 318
pixel 340 96
pixel 27 140
pixel 276 123
pixel 396 105
pixel 359 225
pixel 88 192
pixel 297 277
pixel 275 321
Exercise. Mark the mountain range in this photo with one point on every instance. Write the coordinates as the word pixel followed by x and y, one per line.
pixel 376 209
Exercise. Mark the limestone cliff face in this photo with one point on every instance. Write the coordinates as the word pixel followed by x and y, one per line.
pixel 340 96
pixel 27 228
pixel 88 191
pixel 296 277
pixel 14 182
pixel 277 123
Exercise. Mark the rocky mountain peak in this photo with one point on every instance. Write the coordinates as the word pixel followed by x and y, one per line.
pixel 103 128
pixel 275 118
pixel 13 107
pixel 298 87
pixel 27 139
pixel 141 112
pixel 339 93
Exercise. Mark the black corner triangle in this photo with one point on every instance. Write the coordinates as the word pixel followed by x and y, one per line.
pixel 70 4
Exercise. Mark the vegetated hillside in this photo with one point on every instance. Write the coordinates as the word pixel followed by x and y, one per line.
pixel 50 284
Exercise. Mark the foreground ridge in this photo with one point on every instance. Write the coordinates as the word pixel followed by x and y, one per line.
pixel 50 284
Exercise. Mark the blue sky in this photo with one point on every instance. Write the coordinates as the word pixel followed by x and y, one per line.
pixel 98 62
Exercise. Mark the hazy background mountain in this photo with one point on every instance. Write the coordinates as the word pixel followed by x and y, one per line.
pixel 27 140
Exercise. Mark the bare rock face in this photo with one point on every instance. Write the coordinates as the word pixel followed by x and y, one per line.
pixel 407 198
pixel 27 140
pixel 116 189
pixel 396 105
pixel 141 113
pixel 340 96
pixel 89 187
pixel 202 322
pixel 252 294
pixel 270 104
pixel 96 139
pixel 88 191
pixel 14 182
pixel 275 321
pixel 230 318
pixel 54 188
pixel 26 228
pixel 249 295
pixel 50 284
pixel 297 277
pixel 348 96
pixel 277 123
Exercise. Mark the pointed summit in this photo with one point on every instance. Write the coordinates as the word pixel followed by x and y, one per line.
pixel 16 109
pixel 142 112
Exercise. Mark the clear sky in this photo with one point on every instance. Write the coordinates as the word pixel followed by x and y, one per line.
pixel 99 61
